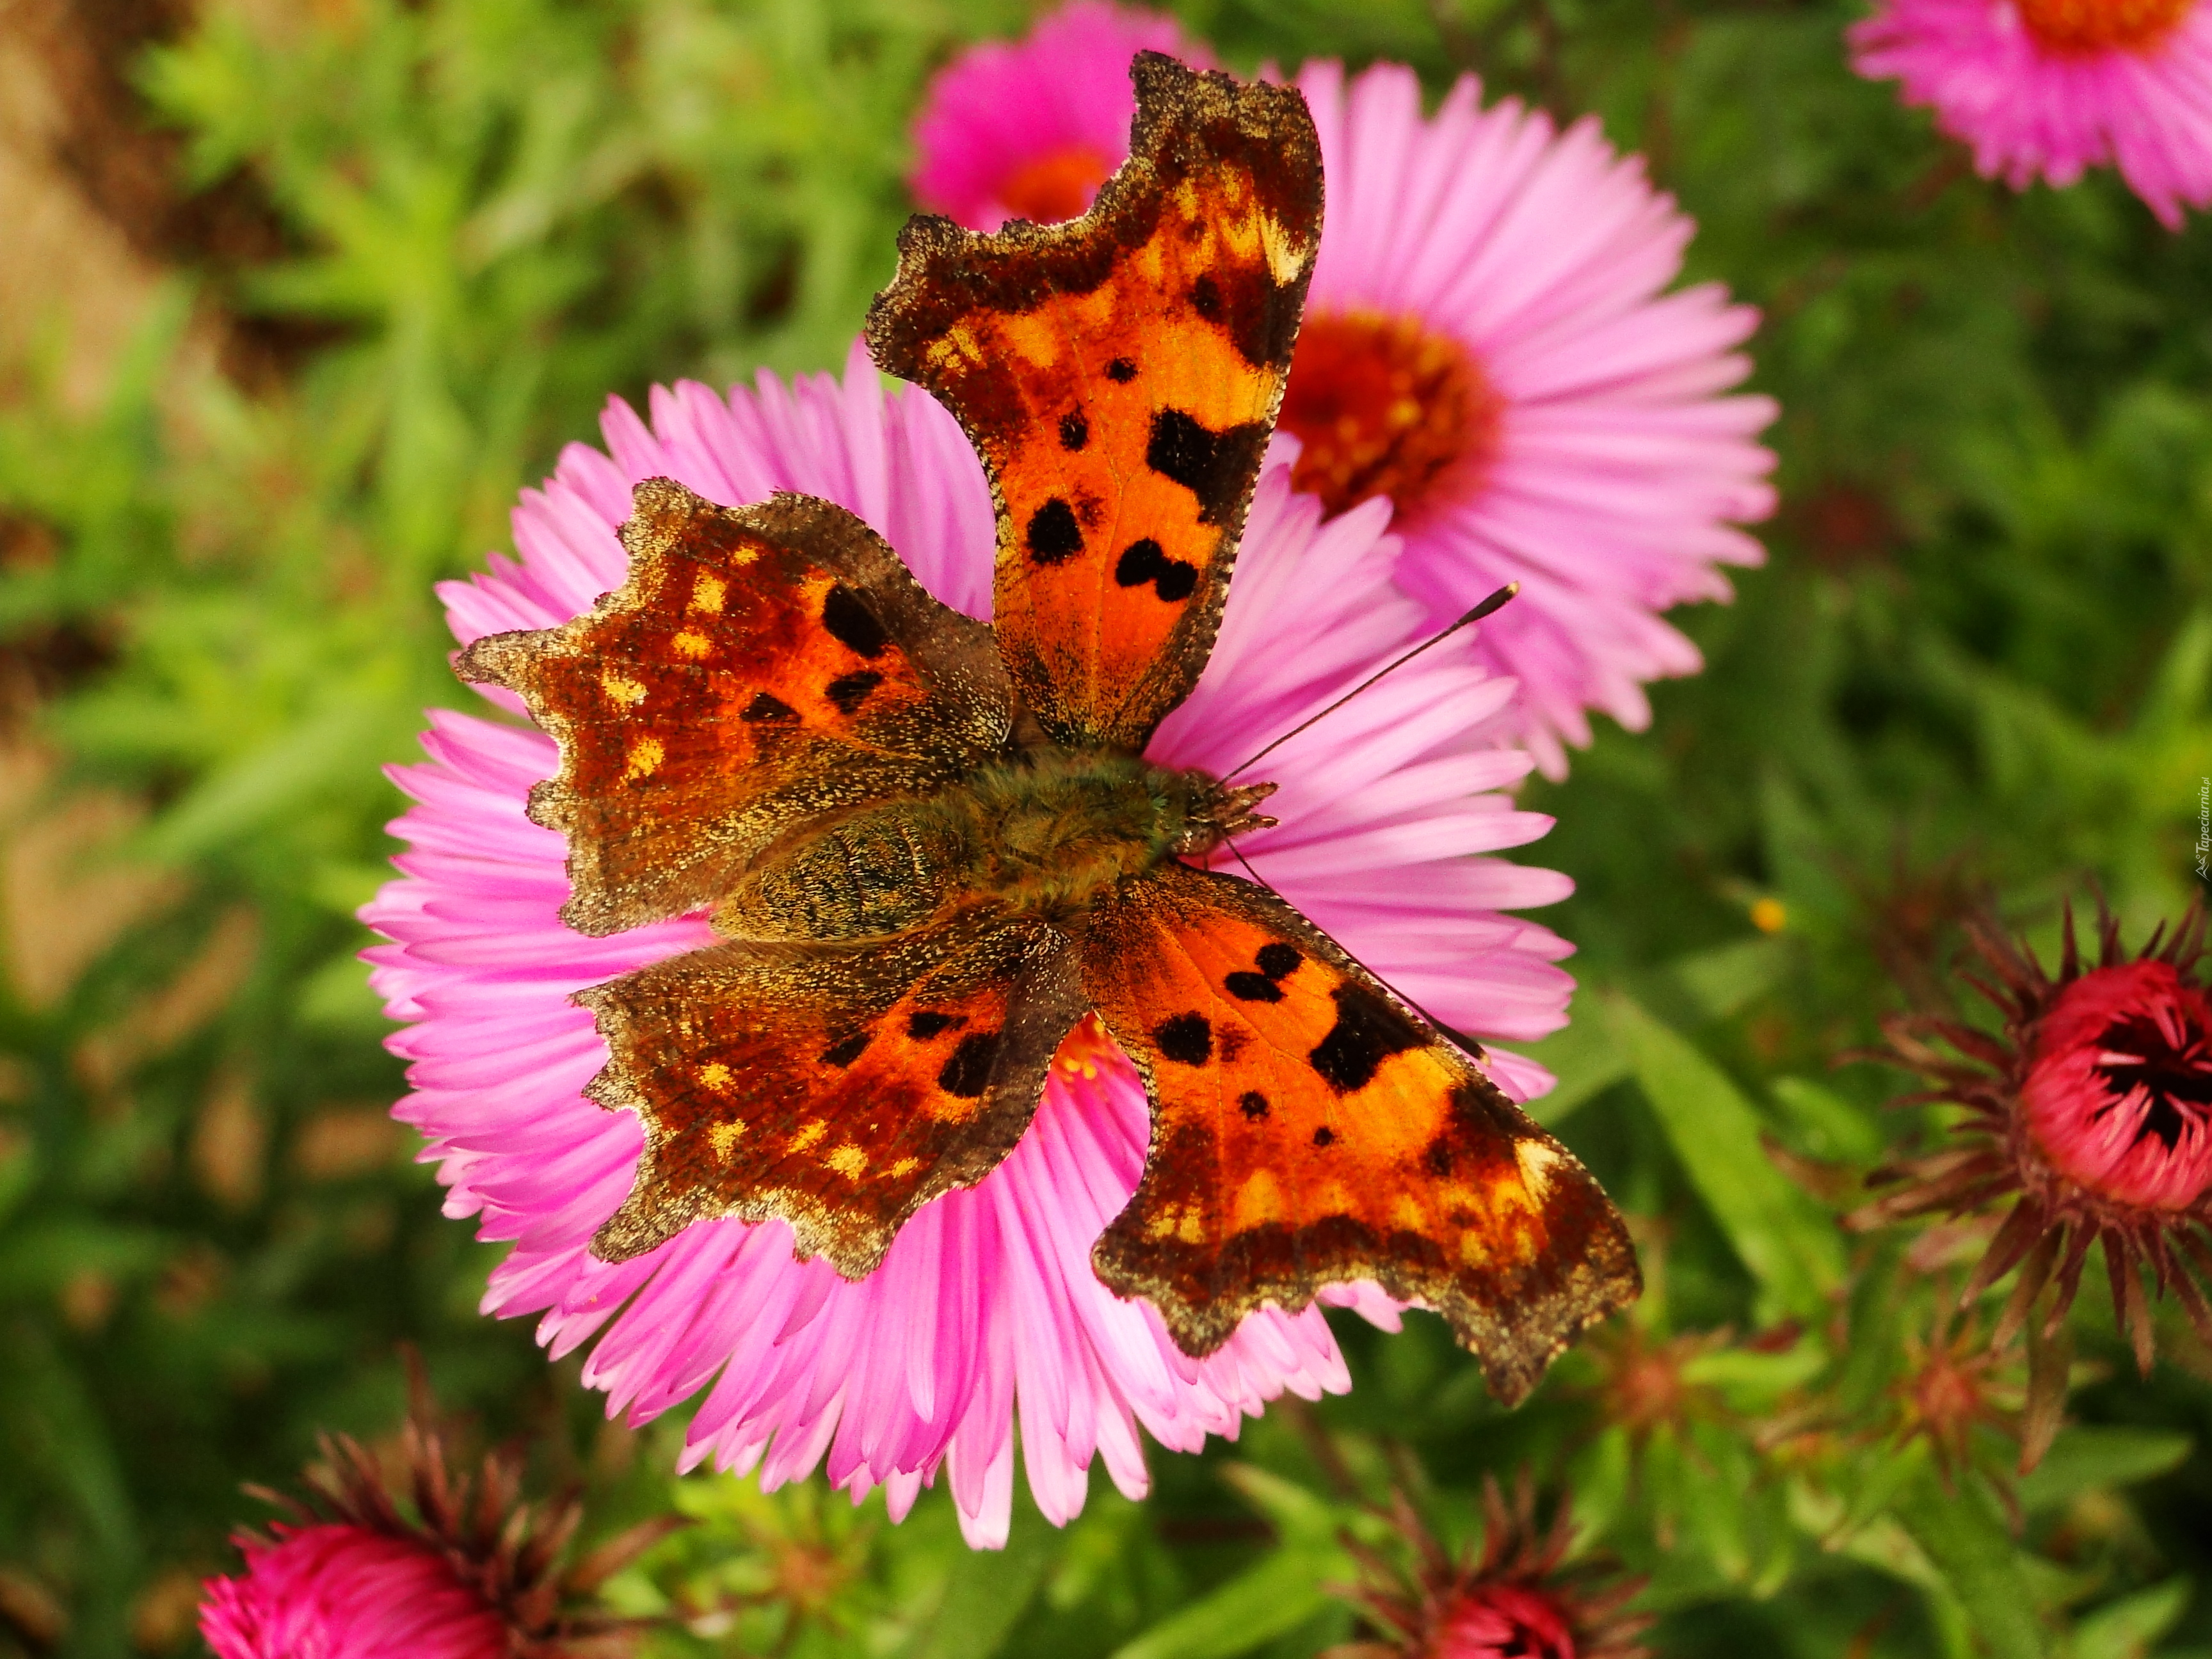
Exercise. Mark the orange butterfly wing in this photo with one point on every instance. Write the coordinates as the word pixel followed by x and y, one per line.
pixel 837 1091
pixel 1120 375
pixel 1310 1128
pixel 760 666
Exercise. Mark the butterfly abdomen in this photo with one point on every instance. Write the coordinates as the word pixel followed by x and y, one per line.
pixel 877 873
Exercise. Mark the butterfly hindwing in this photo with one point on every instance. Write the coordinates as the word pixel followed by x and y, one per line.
pixel 835 1090
pixel 760 666
pixel 1119 375
pixel 1310 1128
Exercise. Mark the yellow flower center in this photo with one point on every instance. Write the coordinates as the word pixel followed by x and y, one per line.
pixel 1056 186
pixel 2082 26
pixel 1383 406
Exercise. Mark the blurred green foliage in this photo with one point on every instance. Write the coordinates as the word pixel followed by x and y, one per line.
pixel 1981 655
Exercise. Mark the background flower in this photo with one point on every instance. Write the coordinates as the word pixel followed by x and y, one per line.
pixel 427 1561
pixel 1030 130
pixel 2045 89
pixel 1489 342
pixel 985 1310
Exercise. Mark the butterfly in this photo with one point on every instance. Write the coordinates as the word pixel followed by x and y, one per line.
pixel 930 846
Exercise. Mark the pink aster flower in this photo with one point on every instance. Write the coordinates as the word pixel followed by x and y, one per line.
pixel 1029 131
pixel 434 1564
pixel 1489 344
pixel 986 1311
pixel 2044 88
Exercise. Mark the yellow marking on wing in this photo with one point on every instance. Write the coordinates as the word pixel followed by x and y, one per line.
pixel 714 1074
pixel 691 644
pixel 707 593
pixel 808 1134
pixel 725 1136
pixel 1034 336
pixel 622 688
pixel 1286 251
pixel 1536 1160
pixel 954 347
pixel 644 758
pixel 1259 1201
pixel 849 1160
pixel 905 1167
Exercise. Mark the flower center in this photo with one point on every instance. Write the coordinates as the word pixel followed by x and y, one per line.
pixel 1504 1621
pixel 2119 1096
pixel 1383 406
pixel 2076 26
pixel 1056 186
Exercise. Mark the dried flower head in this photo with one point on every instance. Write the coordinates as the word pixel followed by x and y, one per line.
pixel 1516 1598
pixel 433 1564
pixel 1955 1385
pixel 2091 1111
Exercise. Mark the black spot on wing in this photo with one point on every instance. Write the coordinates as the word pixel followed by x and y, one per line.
pixel 1186 1039
pixel 1217 467
pixel 1054 537
pixel 967 1071
pixel 1120 371
pixel 1367 1032
pixel 1324 1136
pixel 927 1023
pixel 1074 431
pixel 849 691
pixel 846 1050
pixel 851 624
pixel 1248 987
pixel 774 710
pixel 1278 961
pixel 1253 1104
pixel 1147 561
pixel 1205 299
pixel 1438 1159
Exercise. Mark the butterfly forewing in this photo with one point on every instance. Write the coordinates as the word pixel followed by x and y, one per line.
pixel 1120 375
pixel 1309 1128
pixel 762 666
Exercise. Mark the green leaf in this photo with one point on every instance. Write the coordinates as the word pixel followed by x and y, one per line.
pixel 2085 1458
pixel 1276 1596
pixel 2131 1627
pixel 1588 1056
pixel 1965 1538
pixel 1788 1243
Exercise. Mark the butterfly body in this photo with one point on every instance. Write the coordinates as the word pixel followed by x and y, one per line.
pixel 931 845
pixel 1035 832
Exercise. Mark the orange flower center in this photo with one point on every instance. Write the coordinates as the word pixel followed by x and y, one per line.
pixel 2100 25
pixel 1383 406
pixel 1056 186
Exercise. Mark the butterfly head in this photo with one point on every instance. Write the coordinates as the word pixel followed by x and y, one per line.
pixel 1219 812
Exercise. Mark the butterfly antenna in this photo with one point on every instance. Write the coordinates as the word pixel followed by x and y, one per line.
pixel 1495 602
pixel 1238 853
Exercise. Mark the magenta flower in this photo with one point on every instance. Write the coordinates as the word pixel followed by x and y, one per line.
pixel 2092 1116
pixel 1488 343
pixel 430 1561
pixel 1515 1599
pixel 1029 131
pixel 986 1309
pixel 2044 88
pixel 343 1592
